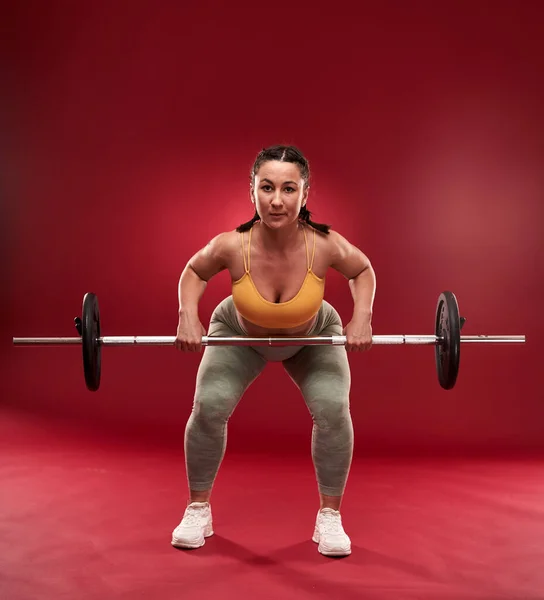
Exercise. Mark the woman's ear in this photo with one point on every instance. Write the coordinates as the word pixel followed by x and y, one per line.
pixel 305 195
pixel 252 194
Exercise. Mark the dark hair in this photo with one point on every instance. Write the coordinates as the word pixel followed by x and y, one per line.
pixel 284 154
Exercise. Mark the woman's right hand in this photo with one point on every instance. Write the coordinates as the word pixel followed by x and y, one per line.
pixel 189 334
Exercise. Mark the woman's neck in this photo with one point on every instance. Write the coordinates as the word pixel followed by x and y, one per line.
pixel 279 240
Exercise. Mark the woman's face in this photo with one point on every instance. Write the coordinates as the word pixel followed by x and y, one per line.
pixel 278 193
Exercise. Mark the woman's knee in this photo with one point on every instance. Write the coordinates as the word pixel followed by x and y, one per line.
pixel 330 412
pixel 213 404
pixel 222 378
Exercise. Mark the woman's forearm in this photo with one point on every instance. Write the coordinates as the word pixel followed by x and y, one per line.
pixel 363 290
pixel 190 290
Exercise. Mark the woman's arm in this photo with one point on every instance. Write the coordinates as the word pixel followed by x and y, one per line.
pixel 356 267
pixel 200 268
pixel 206 263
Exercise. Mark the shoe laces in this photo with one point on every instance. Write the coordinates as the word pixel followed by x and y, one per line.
pixel 193 516
pixel 330 523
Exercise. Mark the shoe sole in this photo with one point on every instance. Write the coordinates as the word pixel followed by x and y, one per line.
pixel 325 552
pixel 189 546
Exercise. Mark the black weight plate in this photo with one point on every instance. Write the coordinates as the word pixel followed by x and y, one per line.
pixel 448 327
pixel 90 336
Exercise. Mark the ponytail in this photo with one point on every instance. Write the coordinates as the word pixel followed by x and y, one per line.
pixel 305 214
pixel 247 226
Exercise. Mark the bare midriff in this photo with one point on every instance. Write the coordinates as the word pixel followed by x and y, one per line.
pixel 253 330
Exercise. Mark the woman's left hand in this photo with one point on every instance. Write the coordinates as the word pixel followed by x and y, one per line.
pixel 358 336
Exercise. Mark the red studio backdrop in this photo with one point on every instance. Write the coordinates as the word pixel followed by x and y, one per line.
pixel 131 134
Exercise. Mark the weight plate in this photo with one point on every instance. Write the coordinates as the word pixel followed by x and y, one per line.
pixel 447 327
pixel 90 336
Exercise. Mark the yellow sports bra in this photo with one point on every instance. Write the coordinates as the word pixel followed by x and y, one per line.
pixel 281 315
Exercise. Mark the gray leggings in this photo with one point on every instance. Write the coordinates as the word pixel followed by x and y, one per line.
pixel 225 372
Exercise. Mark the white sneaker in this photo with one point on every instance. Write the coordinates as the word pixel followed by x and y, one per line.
pixel 330 535
pixel 196 525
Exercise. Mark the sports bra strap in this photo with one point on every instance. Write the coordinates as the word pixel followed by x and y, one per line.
pixel 307 251
pixel 313 254
pixel 249 250
pixel 243 251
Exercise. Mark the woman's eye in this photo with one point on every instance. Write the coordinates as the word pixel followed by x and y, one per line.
pixel 266 188
pixel 289 190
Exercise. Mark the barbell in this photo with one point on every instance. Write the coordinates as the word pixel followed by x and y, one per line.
pixel 447 340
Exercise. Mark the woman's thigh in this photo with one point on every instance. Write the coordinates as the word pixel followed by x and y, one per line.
pixel 322 373
pixel 225 372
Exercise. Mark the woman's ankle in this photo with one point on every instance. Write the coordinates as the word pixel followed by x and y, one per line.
pixel 198 496
pixel 333 502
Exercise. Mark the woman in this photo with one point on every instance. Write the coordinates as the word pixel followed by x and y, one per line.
pixel 277 262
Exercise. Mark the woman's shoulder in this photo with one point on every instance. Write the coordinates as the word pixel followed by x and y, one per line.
pixel 227 237
pixel 224 244
pixel 330 240
pixel 332 245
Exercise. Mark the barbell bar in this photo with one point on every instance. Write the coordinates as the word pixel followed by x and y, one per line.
pixel 446 340
pixel 332 340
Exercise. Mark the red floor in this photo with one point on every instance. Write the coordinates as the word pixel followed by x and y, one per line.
pixel 84 517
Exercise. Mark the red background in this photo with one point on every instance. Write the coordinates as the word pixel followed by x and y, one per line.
pixel 131 130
